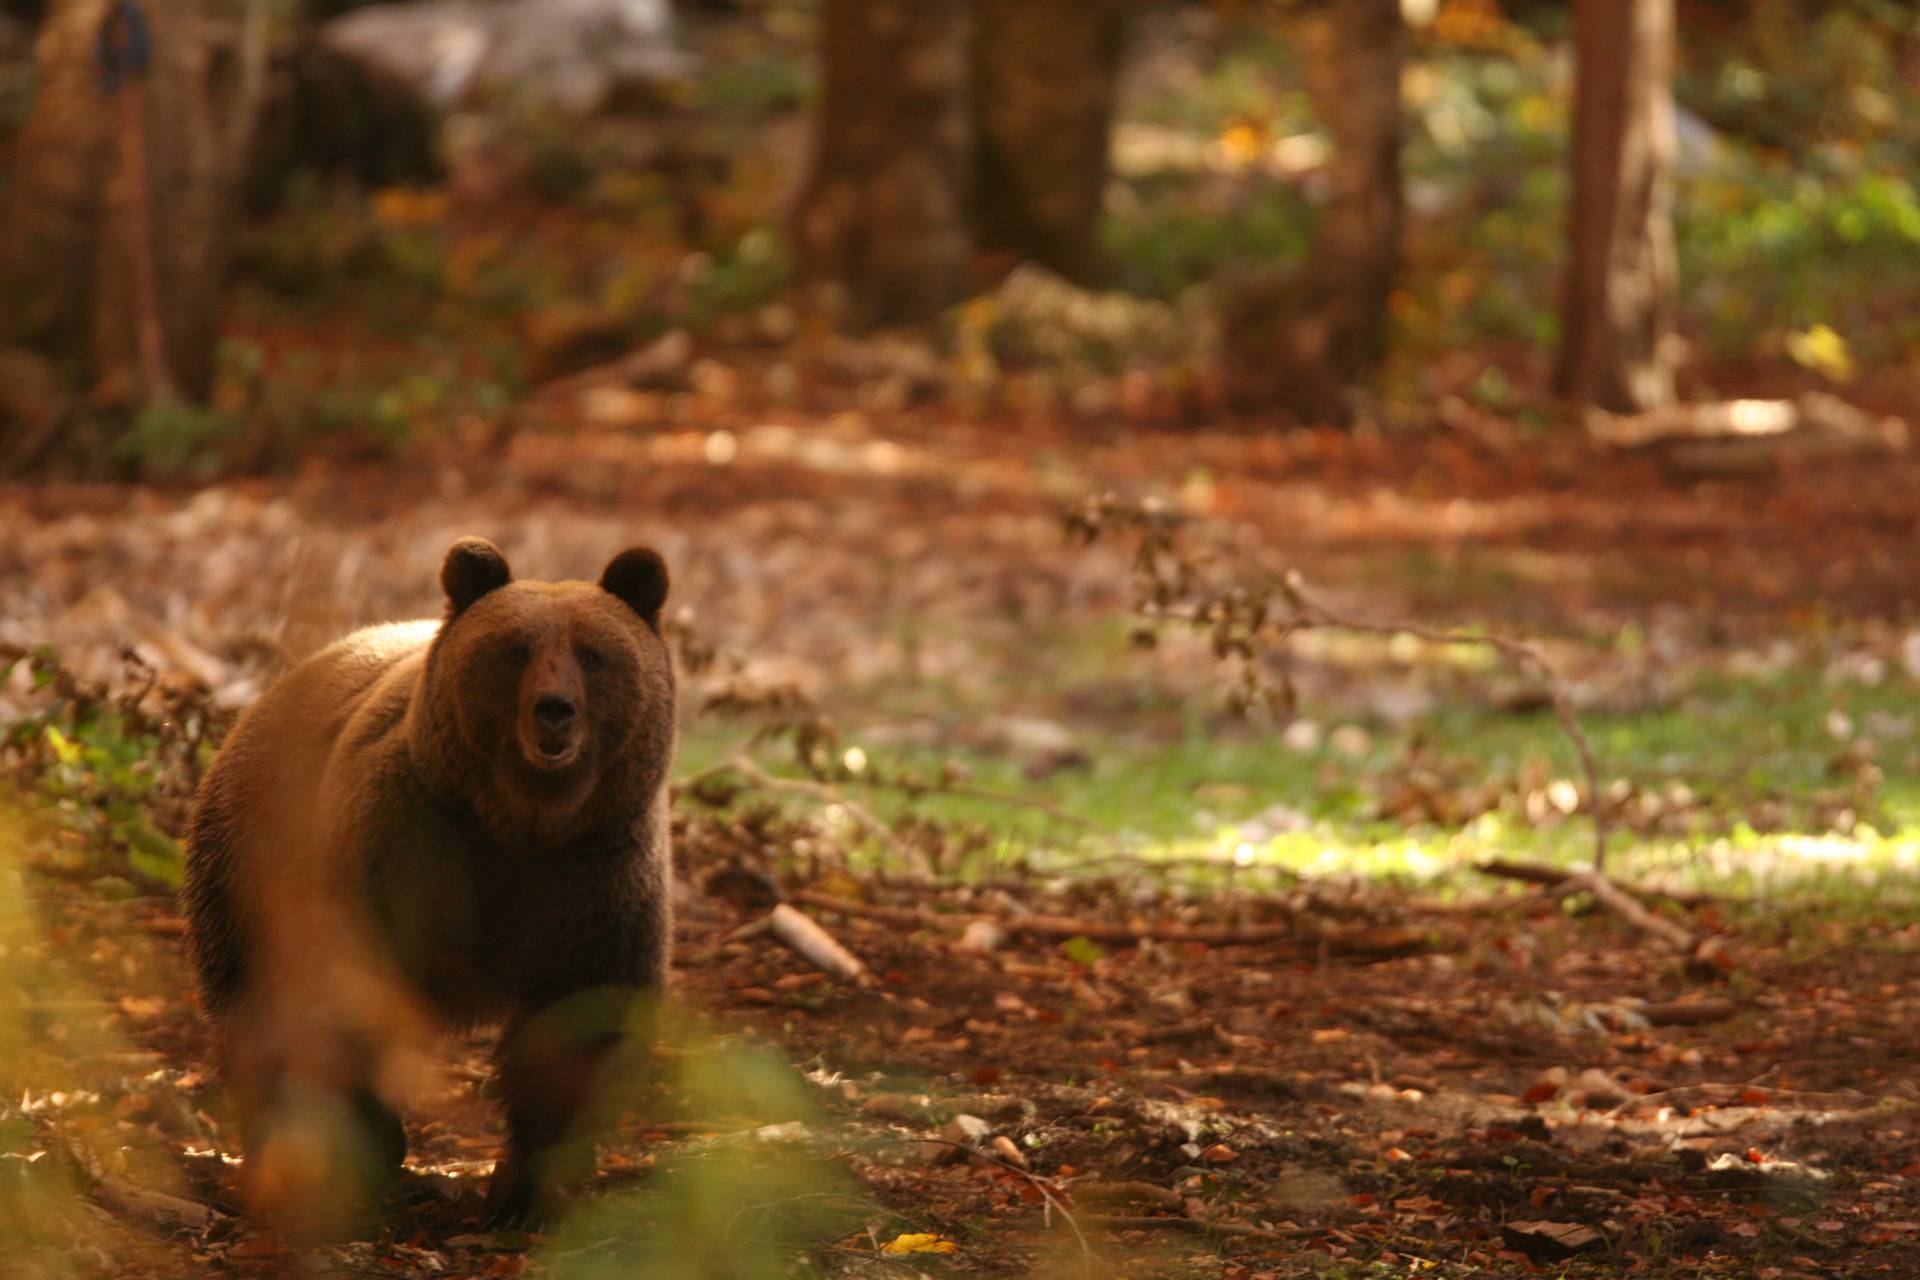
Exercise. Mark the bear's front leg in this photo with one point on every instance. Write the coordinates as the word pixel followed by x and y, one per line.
pixel 549 1069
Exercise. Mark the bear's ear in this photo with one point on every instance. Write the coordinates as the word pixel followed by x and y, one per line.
pixel 472 568
pixel 638 576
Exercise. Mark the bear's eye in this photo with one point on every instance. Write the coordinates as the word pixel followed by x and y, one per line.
pixel 590 659
pixel 519 654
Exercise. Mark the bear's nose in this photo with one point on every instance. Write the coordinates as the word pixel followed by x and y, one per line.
pixel 553 712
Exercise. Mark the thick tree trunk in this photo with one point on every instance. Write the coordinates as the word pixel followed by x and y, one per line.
pixel 114 235
pixel 1617 315
pixel 883 216
pixel 1046 73
pixel 1302 343
pixel 56 194
pixel 1357 92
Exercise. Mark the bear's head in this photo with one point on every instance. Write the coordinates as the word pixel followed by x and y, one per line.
pixel 549 703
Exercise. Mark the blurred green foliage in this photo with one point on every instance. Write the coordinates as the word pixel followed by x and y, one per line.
pixel 173 440
pixel 108 768
pixel 746 275
pixel 759 1199
pixel 64 1086
pixel 1793 206
pixel 376 320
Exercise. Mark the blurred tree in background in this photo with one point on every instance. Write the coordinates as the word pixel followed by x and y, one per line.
pixel 1307 337
pixel 1046 77
pixel 1618 328
pixel 884 214
pixel 119 212
pixel 950 126
pixel 1299 209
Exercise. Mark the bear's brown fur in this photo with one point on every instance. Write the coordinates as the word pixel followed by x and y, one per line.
pixel 445 823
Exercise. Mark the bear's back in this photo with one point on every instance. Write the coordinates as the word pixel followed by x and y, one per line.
pixel 260 793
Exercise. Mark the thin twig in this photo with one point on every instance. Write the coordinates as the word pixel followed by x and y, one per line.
pixel 1523 655
pixel 743 765
pixel 1038 1183
pixel 1627 907
pixel 1527 658
pixel 1240 622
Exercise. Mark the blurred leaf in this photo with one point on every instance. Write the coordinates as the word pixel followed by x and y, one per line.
pixel 918 1242
pixel 405 207
pixel 1082 950
pixel 64 748
pixel 1823 351
pixel 152 852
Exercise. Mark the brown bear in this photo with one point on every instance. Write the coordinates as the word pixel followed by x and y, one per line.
pixel 442 824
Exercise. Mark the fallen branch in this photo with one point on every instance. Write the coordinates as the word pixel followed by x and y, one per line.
pixel 800 934
pixel 1380 942
pixel 1628 908
pixel 1686 1013
pixel 1608 894
pixel 1743 435
pixel 814 944
pixel 1204 1226
pixel 1525 872
pixel 1059 927
pixel 1714 420
pixel 1549 877
pixel 1128 1193
pixel 156 1209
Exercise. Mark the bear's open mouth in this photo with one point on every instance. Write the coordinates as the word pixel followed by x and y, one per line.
pixel 550 753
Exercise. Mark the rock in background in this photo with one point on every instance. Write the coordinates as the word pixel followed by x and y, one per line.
pixel 574 57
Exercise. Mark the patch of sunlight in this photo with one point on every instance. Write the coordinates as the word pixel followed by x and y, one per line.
pixel 1363 651
pixel 1864 854
pixel 1323 850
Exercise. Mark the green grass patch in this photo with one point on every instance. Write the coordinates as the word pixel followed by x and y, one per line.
pixel 1741 786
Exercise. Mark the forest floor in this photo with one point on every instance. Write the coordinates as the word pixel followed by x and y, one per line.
pixel 920 711
pixel 1380 1062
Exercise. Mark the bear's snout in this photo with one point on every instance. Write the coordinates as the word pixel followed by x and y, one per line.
pixel 550 720
pixel 553 712
pixel 550 732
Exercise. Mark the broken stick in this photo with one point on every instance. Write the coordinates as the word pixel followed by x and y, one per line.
pixel 798 932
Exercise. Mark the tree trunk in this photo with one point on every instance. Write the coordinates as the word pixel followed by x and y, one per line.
pixel 56 197
pixel 115 231
pixel 883 216
pixel 1617 341
pixel 1301 342
pixel 1045 77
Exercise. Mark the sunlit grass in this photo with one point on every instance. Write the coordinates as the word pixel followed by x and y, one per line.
pixel 1752 788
